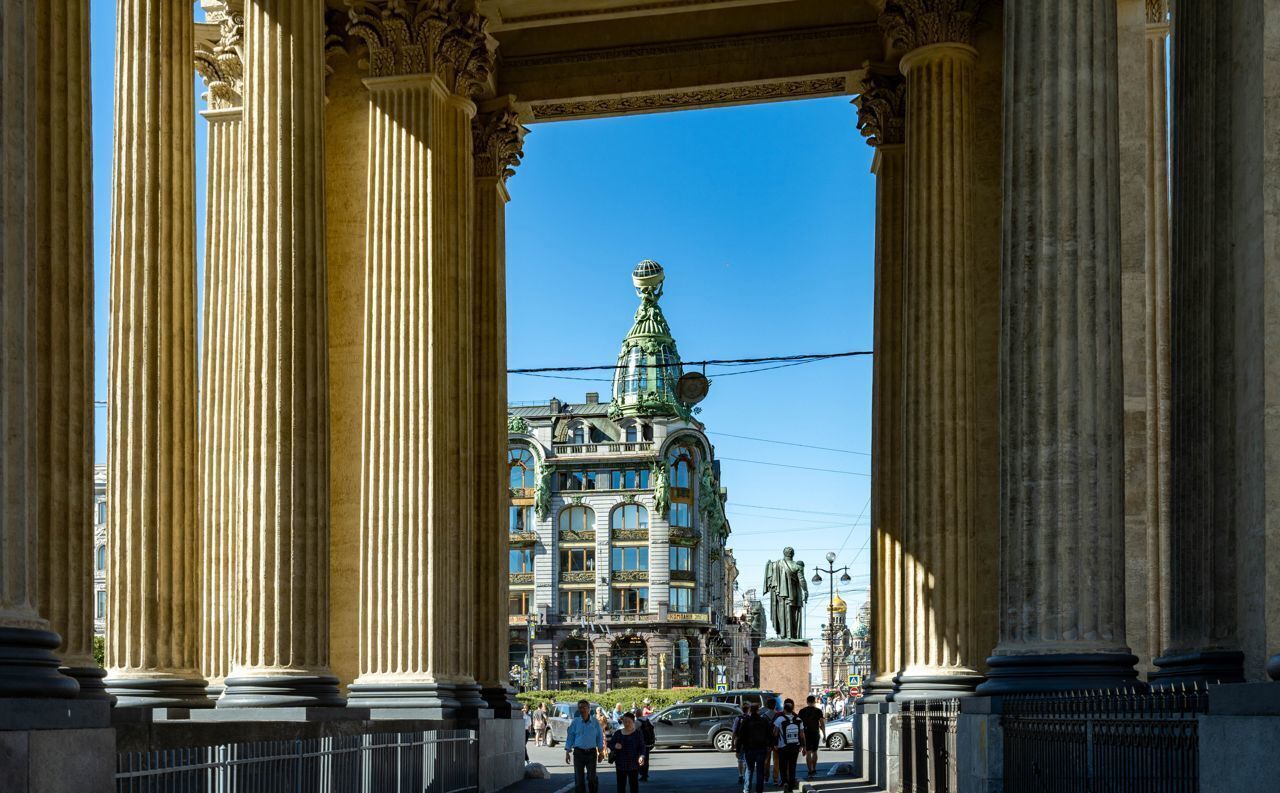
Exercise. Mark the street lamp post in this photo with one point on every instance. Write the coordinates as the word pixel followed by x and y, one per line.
pixel 831 571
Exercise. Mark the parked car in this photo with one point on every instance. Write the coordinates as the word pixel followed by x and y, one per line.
pixel 558 721
pixel 696 724
pixel 840 732
pixel 741 697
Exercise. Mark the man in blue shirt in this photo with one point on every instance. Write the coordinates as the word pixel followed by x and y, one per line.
pixel 585 742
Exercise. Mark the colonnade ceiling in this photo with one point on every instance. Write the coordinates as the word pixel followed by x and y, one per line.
pixel 584 58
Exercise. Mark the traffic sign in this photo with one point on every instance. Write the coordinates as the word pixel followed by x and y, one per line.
pixel 721 688
pixel 855 680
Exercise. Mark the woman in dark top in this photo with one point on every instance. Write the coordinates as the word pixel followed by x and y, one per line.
pixel 628 754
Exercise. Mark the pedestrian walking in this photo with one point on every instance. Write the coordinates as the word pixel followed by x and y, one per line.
pixel 650 738
pixel 584 746
pixel 647 710
pixel 606 724
pixel 528 722
pixel 790 732
pixel 755 739
pixel 739 751
pixel 540 725
pixel 629 755
pixel 814 729
pixel 771 714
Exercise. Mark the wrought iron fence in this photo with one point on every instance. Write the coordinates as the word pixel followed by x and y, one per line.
pixel 928 735
pixel 1122 741
pixel 435 761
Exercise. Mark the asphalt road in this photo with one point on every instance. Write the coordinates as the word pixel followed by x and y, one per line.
pixel 673 771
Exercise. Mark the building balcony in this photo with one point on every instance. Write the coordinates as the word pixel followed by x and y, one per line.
pixel 520 578
pixel 569 449
pixel 684 575
pixel 521 493
pixel 631 535
pixel 680 535
pixel 577 576
pixel 569 535
pixel 522 539
pixel 630 576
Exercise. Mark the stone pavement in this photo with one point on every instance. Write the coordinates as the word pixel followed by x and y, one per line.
pixel 677 771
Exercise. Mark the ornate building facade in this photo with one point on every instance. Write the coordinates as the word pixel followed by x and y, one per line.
pixel 617 529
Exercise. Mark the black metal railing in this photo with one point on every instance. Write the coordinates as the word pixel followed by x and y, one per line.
pixel 928 735
pixel 1120 741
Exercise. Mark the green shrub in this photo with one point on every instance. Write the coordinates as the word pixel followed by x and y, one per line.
pixel 659 697
pixel 100 650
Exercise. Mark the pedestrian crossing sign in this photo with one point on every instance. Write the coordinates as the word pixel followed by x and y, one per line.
pixel 721 688
pixel 855 680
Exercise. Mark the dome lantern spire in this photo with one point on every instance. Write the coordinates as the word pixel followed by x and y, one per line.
pixel 649 363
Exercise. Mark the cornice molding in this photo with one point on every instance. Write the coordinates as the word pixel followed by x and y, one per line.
pixel 404 37
pixel 220 63
pixel 498 141
pixel 881 104
pixel 700 97
pixel 910 24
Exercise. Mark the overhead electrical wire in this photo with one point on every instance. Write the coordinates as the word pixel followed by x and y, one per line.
pixel 800 467
pixel 788 443
pixel 709 362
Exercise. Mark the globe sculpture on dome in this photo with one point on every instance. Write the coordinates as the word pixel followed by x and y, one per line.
pixel 649 363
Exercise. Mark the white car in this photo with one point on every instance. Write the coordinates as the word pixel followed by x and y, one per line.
pixel 840 733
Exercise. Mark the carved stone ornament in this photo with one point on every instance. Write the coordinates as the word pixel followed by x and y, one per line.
pixel 630 535
pixel 499 141
pixel 630 576
pixel 406 37
pixel 1157 11
pixel 703 97
pixel 881 103
pixel 918 23
pixel 517 425
pixel 220 63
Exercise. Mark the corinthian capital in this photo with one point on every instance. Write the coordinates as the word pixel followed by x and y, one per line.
pixel 881 103
pixel 219 61
pixel 424 37
pixel 1157 11
pixel 499 140
pixel 917 23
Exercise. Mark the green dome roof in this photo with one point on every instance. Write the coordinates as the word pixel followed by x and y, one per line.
pixel 649 363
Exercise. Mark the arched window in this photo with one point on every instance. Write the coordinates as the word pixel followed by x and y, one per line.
pixel 630 662
pixel 579 433
pixel 101 559
pixel 574 663
pixel 521 465
pixel 681 461
pixel 577 519
pixel 632 432
pixel 629 516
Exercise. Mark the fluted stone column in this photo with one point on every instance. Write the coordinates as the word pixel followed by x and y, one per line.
pixel 64 337
pixel 1157 326
pixel 28 663
pixel 418 547
pixel 153 576
pixel 941 655
pixel 1205 468
pixel 282 654
pixel 880 119
pixel 497 149
pixel 222 386
pixel 1062 621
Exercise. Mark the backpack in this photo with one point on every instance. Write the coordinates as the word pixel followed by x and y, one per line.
pixel 791 730
pixel 756 732
pixel 646 732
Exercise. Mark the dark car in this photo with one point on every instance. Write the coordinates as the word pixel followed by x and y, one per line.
pixel 696 724
pixel 558 720
pixel 742 697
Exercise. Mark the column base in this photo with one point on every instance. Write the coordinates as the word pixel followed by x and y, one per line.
pixel 1027 674
pixel 880 689
pixel 438 698
pixel 28 666
pixel 157 692
pixel 470 701
pixel 280 691
pixel 502 700
pixel 91 680
pixel 214 690
pixel 1273 667
pixel 1212 666
pixel 936 686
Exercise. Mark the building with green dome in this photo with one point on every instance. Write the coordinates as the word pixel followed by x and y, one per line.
pixel 619 573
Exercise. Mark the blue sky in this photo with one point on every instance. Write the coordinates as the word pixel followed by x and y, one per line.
pixel 763 218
